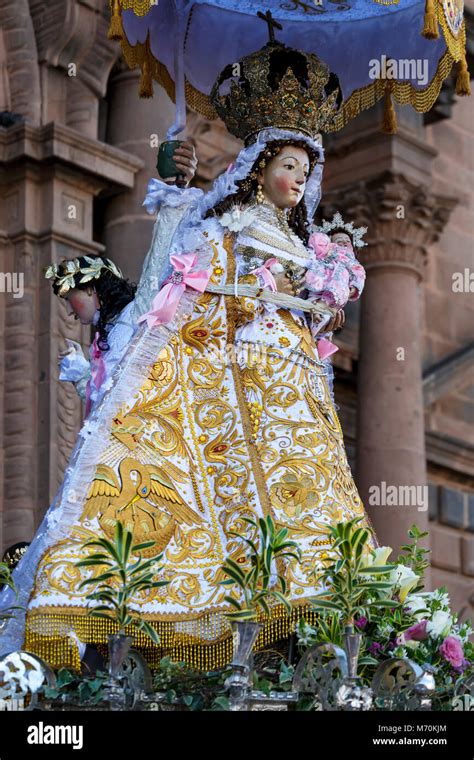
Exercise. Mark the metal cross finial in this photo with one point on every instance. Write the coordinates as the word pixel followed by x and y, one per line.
pixel 272 24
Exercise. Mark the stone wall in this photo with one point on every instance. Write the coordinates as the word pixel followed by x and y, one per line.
pixel 449 328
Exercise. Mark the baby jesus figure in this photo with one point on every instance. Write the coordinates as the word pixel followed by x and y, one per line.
pixel 334 275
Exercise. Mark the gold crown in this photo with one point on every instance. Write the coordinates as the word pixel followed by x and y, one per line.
pixel 277 86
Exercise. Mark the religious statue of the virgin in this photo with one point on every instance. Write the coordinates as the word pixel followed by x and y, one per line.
pixel 208 400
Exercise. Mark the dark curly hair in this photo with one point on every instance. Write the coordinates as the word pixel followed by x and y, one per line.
pixel 114 293
pixel 297 216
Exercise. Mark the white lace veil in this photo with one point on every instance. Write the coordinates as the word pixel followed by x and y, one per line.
pixel 226 183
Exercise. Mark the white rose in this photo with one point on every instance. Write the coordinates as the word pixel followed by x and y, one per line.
pixel 440 624
pixel 418 605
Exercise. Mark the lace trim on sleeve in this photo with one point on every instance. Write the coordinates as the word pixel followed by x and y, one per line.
pixel 159 195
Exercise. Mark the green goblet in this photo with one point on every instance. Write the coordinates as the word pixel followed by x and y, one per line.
pixel 166 165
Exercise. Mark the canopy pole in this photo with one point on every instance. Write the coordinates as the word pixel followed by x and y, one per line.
pixel 180 10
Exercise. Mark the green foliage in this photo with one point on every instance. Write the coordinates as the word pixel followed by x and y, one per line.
pixel 220 703
pixel 254 582
pixel 351 588
pixel 388 606
pixel 414 556
pixel 205 690
pixel 73 687
pixel 120 579
pixel 6 576
pixel 286 674
pixel 327 629
pixel 196 689
pixel 7 580
pixel 262 684
pixel 276 678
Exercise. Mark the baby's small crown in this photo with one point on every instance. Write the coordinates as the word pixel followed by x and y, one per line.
pixel 337 223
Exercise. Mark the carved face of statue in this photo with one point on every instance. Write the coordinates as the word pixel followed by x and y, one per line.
pixel 83 304
pixel 284 177
pixel 342 239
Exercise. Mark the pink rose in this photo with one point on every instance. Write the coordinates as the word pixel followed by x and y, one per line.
pixel 417 632
pixel 320 243
pixel 452 651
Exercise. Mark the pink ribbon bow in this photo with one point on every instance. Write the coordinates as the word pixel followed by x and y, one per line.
pixel 98 372
pixel 166 301
pixel 267 276
pixel 326 348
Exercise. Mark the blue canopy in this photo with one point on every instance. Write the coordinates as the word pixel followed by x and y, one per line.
pixel 404 47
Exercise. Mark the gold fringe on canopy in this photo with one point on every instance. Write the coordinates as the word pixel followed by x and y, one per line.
pixel 456 43
pixel 116 27
pixel 402 92
pixel 139 7
pixel 430 27
pixel 48 635
pixel 136 55
pixel 463 81
pixel 389 123
pixel 146 79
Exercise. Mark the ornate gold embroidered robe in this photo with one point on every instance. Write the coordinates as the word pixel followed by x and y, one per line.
pixel 225 416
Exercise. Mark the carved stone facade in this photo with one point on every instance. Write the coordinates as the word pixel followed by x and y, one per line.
pixel 75 163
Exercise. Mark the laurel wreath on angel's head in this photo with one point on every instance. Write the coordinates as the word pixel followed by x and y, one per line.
pixel 72 267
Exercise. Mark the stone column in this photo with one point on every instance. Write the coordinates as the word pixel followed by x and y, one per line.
pixel 391 459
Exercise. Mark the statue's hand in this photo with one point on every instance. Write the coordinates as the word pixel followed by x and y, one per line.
pixel 336 322
pixel 283 284
pixel 186 161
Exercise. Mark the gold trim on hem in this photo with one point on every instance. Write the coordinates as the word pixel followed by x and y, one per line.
pixel 45 626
